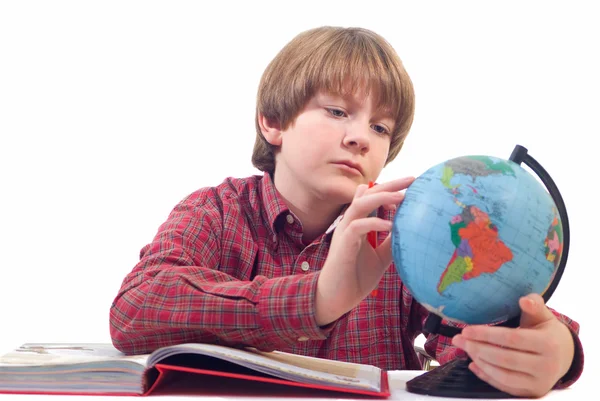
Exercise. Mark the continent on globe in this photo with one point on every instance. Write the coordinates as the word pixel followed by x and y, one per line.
pixel 554 241
pixel 474 166
pixel 478 248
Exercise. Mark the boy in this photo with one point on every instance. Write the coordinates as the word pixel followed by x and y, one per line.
pixel 280 261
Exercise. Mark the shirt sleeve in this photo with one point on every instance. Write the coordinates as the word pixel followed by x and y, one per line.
pixel 576 368
pixel 177 294
pixel 441 348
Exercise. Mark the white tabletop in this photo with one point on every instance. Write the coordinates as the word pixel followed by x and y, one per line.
pixel 398 381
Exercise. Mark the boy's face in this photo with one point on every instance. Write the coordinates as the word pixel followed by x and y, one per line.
pixel 335 144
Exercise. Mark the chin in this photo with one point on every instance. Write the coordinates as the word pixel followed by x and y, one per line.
pixel 339 191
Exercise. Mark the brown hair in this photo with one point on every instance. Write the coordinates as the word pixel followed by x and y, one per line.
pixel 340 61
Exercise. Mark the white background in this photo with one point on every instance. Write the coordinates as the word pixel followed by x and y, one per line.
pixel 113 111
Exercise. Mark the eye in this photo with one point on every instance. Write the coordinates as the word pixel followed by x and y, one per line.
pixel 336 112
pixel 380 129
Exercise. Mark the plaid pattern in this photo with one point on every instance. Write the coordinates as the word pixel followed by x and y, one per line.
pixel 229 267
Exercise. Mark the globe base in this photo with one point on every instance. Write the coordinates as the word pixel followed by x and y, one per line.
pixel 455 380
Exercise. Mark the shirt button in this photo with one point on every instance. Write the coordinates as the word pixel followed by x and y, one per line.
pixel 303 338
pixel 305 266
pixel 289 218
pixel 274 237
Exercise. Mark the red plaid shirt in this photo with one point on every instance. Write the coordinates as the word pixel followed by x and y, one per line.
pixel 229 267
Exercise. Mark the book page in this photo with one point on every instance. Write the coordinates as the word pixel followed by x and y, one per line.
pixel 65 354
pixel 318 364
pixel 285 365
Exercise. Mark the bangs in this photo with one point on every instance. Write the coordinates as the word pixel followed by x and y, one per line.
pixel 354 65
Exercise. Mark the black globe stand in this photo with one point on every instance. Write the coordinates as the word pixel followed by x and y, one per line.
pixel 454 379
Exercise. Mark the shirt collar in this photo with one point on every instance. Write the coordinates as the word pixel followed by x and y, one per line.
pixel 272 202
pixel 275 206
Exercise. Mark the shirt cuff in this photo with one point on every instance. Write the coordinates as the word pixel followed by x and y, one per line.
pixel 576 368
pixel 286 310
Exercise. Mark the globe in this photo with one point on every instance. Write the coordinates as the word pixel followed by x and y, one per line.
pixel 473 235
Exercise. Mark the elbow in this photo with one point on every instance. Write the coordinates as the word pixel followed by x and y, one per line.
pixel 121 333
pixel 130 330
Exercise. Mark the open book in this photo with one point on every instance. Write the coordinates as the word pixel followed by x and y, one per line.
pixel 101 369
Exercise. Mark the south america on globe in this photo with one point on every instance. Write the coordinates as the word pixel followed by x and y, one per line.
pixel 473 235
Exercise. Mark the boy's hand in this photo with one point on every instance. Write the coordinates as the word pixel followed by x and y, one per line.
pixel 527 361
pixel 353 268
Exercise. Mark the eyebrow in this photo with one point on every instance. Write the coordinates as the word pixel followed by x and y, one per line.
pixel 351 99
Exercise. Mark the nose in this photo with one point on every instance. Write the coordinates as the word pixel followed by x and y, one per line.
pixel 357 138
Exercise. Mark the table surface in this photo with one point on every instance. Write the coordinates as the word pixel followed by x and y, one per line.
pixel 397 379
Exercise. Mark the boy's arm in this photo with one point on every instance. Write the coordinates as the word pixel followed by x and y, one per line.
pixel 176 293
pixel 443 351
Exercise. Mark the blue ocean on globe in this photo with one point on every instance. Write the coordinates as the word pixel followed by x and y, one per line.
pixel 473 235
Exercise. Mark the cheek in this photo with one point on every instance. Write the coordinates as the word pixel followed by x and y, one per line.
pixel 380 151
pixel 319 139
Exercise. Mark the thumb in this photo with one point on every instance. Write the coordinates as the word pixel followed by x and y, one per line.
pixel 384 250
pixel 534 311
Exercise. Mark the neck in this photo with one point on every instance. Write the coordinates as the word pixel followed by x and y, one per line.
pixel 314 211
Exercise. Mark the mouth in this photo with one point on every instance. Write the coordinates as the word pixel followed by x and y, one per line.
pixel 350 166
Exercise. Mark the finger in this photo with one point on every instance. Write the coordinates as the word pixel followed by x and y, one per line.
pixel 534 311
pixel 363 226
pixel 384 250
pixel 363 205
pixel 389 207
pixel 393 186
pixel 514 383
pixel 520 361
pixel 518 339
pixel 360 190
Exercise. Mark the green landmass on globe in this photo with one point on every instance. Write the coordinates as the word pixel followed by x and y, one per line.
pixel 554 241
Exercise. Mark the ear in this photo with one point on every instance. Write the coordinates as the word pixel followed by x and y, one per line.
pixel 270 129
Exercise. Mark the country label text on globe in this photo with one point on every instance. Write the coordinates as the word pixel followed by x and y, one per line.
pixel 473 235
